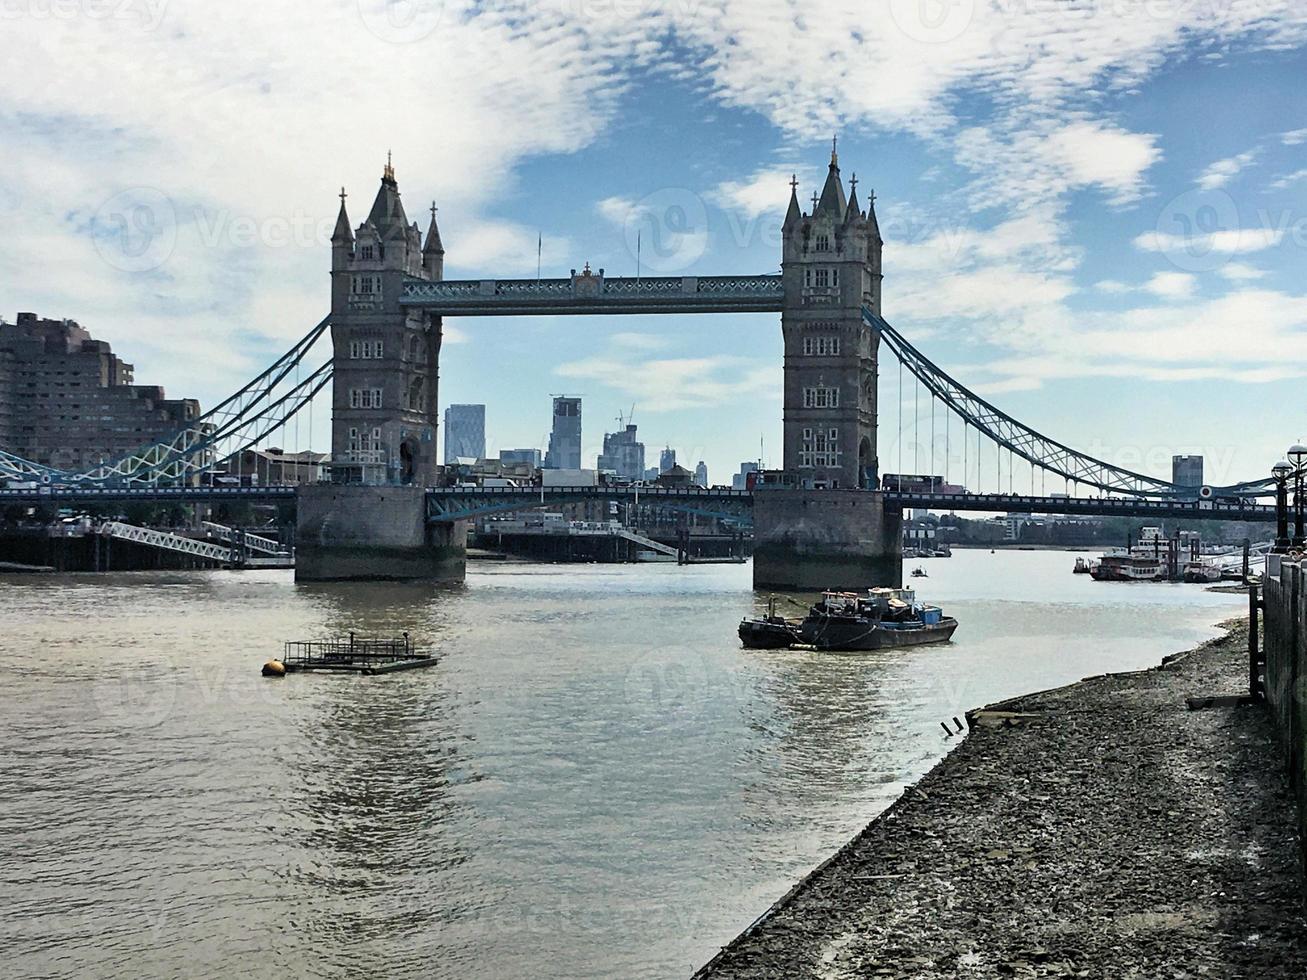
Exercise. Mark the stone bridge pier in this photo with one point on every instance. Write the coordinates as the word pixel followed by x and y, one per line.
pixel 809 540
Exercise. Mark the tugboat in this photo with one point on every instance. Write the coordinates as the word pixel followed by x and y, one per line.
pixel 919 572
pixel 772 632
pixel 1082 567
pixel 849 621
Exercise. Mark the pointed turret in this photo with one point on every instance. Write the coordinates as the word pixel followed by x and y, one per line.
pixel 387 214
pixel 854 213
pixel 872 226
pixel 433 252
pixel 433 245
pixel 794 214
pixel 832 195
pixel 343 235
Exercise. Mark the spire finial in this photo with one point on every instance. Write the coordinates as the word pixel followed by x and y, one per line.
pixel 389 172
pixel 814 200
pixel 343 195
pixel 794 183
pixel 853 181
pixel 834 151
pixel 434 209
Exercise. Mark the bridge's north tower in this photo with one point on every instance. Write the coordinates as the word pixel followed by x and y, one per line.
pixel 831 266
pixel 369 522
pixel 386 358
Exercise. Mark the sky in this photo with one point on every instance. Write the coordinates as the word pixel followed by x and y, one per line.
pixel 1095 212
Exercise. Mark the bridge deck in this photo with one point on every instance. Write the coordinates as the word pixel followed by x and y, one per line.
pixel 460 503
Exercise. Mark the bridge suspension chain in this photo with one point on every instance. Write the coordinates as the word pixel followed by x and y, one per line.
pixel 1020 440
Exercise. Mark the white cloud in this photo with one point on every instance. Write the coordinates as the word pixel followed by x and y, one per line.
pixel 671 384
pixel 763 193
pixel 1294 137
pixel 1287 180
pixel 618 210
pixel 1113 287
pixel 1235 241
pixel 1171 285
pixel 1222 172
pixel 1240 272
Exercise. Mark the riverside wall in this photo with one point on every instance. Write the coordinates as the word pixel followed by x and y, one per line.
pixel 1285 650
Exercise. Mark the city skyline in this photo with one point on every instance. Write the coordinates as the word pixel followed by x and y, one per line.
pixel 1094 248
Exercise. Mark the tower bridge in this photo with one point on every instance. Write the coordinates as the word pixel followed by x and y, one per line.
pixel 380 517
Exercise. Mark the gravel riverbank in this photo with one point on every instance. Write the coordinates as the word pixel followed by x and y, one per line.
pixel 1110 833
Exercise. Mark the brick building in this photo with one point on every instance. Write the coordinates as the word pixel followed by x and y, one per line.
pixel 67 401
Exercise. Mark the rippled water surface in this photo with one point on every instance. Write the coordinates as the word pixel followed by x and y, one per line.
pixel 595 781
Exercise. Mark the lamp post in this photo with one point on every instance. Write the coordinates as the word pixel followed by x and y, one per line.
pixel 1280 471
pixel 1297 457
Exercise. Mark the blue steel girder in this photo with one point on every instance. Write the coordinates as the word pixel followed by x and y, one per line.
pixel 597 294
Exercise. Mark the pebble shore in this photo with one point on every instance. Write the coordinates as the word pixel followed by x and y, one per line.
pixel 1104 831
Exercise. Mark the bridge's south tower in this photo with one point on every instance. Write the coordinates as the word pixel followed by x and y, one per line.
pixel 369 522
pixel 832 268
pixel 829 532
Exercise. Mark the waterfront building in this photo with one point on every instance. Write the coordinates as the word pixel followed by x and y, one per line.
pixel 517 456
pixel 651 474
pixel 623 454
pixel 274 467
pixel 1187 471
pixel 465 432
pixel 565 438
pixel 701 474
pixel 67 401
pixel 740 481
pixel 666 459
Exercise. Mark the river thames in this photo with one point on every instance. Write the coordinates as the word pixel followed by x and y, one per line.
pixel 595 781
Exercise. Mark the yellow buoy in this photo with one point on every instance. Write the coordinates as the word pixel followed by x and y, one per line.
pixel 274 668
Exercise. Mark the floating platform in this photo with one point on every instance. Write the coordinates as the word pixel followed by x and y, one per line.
pixel 356 656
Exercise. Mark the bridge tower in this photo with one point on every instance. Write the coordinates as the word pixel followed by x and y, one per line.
pixel 831 267
pixel 370 521
pixel 825 531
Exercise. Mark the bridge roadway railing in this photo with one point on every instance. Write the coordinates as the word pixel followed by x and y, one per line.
pixel 1084 506
pixel 448 504
pixel 123 494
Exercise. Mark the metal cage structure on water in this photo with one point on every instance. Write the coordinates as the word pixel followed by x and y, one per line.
pixel 242 421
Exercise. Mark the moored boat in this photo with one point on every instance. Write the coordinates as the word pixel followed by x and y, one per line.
pixel 875 620
pixel 771 632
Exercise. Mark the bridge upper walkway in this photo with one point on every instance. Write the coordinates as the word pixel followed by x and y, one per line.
pixel 596 294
